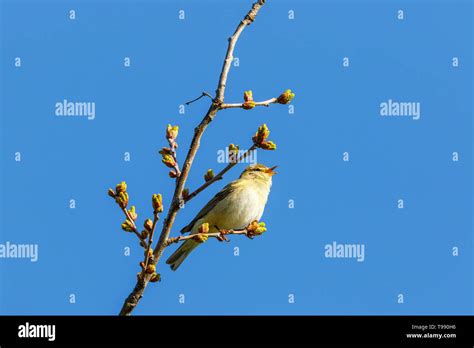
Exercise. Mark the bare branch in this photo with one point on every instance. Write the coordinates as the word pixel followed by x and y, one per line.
pixel 173 147
pixel 204 94
pixel 219 175
pixel 143 278
pixel 265 103
pixel 150 238
pixel 134 227
pixel 219 235
pixel 248 19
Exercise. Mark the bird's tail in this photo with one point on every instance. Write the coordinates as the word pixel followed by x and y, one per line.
pixel 181 254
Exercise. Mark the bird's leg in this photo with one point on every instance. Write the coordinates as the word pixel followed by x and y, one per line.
pixel 222 237
pixel 250 230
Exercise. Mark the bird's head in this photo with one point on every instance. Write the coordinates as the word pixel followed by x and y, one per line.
pixel 258 172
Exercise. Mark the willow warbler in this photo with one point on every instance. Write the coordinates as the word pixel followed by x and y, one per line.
pixel 234 207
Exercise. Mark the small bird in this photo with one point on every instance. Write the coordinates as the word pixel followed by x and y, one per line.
pixel 234 207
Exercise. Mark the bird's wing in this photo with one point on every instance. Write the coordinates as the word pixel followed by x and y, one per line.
pixel 210 205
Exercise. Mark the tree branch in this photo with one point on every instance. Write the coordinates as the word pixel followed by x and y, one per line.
pixel 219 235
pixel 134 227
pixel 219 175
pixel 204 94
pixel 143 278
pixel 265 103
pixel 173 147
pixel 150 238
pixel 248 19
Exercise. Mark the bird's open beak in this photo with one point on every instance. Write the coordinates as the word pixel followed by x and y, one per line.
pixel 271 171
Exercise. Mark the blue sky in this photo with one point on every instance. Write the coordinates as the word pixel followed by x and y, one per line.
pixel 337 109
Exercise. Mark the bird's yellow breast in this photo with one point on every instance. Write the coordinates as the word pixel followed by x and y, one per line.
pixel 244 204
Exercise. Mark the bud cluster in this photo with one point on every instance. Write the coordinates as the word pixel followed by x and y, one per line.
pixel 260 138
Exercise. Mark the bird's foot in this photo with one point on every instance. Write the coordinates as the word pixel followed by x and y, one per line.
pixel 250 235
pixel 222 236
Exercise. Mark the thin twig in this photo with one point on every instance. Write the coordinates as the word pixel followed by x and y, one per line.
pixel 134 227
pixel 173 147
pixel 204 94
pixel 150 237
pixel 229 57
pixel 265 103
pixel 220 174
pixel 218 235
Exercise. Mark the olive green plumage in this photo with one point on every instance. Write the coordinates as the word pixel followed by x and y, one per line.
pixel 234 207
